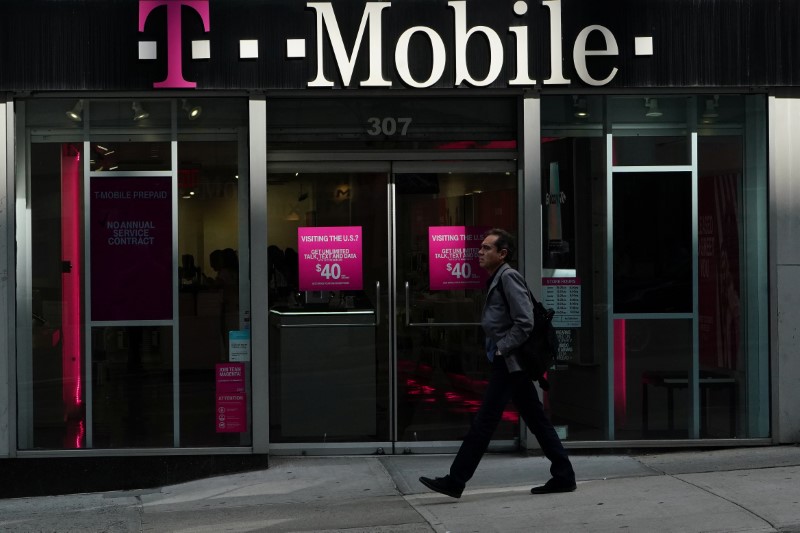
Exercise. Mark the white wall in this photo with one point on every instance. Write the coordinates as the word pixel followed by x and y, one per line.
pixel 784 116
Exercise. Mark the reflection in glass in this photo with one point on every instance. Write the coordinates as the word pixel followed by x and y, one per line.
pixel 132 386
pixel 129 156
pixel 722 274
pixel 327 344
pixel 52 391
pixel 573 245
pixel 652 150
pixel 209 283
pixel 443 371
pixel 652 242
pixel 652 359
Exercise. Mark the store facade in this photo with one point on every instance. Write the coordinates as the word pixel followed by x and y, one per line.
pixel 238 227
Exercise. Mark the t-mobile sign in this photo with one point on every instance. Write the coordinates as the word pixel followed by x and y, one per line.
pixel 131 255
pixel 453 252
pixel 330 258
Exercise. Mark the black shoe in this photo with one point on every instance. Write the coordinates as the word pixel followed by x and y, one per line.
pixel 553 486
pixel 443 485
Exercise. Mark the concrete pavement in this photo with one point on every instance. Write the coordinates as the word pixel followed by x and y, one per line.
pixel 731 490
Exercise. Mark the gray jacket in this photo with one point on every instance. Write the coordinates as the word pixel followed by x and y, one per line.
pixel 507 326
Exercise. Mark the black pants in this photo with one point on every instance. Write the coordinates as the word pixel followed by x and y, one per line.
pixel 520 389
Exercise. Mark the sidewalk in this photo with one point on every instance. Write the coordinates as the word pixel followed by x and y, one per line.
pixel 732 490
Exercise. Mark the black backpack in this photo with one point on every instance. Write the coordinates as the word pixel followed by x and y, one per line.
pixel 538 353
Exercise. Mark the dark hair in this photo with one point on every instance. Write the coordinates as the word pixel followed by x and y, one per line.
pixel 505 241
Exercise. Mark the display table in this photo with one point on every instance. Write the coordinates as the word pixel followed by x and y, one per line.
pixel 679 380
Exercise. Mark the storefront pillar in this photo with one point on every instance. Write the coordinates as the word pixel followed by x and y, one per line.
pixel 784 137
pixel 530 232
pixel 259 273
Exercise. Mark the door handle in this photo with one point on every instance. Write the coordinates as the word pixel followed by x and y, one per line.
pixel 378 303
pixel 430 324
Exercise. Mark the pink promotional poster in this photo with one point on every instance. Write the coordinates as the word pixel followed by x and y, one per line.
pixel 330 258
pixel 231 414
pixel 453 252
pixel 131 255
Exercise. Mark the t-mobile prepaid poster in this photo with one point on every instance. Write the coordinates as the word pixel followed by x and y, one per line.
pixel 453 252
pixel 330 258
pixel 131 255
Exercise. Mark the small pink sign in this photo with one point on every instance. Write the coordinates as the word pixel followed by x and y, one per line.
pixel 453 252
pixel 330 258
pixel 231 408
pixel 231 413
pixel 230 377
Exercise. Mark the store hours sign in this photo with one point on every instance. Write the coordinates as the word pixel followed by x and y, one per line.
pixel 131 248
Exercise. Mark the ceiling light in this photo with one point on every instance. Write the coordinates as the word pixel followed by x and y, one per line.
pixel 579 107
pixel 651 104
pixel 192 111
pixel 76 113
pixel 139 112
pixel 712 108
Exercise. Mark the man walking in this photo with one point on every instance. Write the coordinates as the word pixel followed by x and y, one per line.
pixel 507 321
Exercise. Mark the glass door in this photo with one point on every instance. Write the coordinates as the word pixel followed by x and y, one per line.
pixel 344 371
pixel 441 213
pixel 328 289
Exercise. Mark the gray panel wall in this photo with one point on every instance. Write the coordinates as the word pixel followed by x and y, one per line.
pixel 6 345
pixel 784 116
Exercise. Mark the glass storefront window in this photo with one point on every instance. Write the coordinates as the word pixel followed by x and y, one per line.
pixel 668 344
pixel 211 278
pixel 652 260
pixel 110 156
pixel 132 386
pixel 134 280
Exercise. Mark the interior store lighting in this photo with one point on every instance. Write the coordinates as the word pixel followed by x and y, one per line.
pixel 76 113
pixel 712 109
pixel 651 104
pixel 139 111
pixel 192 111
pixel 579 107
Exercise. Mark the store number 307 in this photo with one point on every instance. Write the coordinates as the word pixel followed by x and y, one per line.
pixel 388 126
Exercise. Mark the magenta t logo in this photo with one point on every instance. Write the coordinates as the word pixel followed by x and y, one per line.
pixel 174 52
